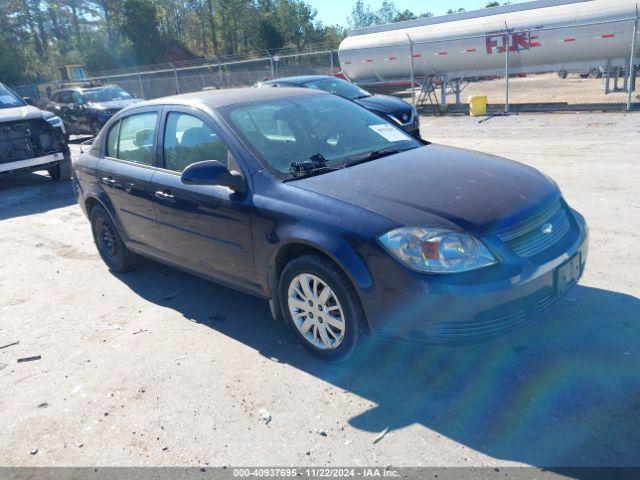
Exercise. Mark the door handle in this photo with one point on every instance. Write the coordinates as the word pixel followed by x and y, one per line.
pixel 164 195
pixel 108 181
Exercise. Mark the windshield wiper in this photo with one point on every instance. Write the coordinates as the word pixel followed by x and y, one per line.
pixel 374 155
pixel 315 165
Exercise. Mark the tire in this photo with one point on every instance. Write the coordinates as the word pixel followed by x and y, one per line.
pixel 322 338
pixel 63 170
pixel 595 73
pixel 562 74
pixel 96 126
pixel 109 243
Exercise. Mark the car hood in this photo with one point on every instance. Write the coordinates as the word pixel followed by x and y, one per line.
pixel 439 186
pixel 115 104
pixel 384 104
pixel 27 112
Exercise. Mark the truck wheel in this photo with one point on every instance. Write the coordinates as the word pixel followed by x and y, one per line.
pixel 562 74
pixel 110 245
pixel 321 307
pixel 63 169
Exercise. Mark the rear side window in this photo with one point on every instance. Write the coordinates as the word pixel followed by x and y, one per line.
pixel 187 140
pixel 135 138
pixel 112 141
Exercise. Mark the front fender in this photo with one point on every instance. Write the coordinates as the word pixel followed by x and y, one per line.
pixel 334 246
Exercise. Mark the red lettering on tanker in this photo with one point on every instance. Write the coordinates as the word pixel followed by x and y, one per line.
pixel 517 41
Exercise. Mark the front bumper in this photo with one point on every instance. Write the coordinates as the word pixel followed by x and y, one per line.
pixel 31 163
pixel 475 305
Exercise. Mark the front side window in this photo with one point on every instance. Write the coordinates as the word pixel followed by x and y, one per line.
pixel 284 131
pixel 187 140
pixel 135 139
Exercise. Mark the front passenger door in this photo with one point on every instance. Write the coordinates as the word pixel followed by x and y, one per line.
pixel 205 228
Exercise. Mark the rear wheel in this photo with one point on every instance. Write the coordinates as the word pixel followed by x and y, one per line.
pixel 110 245
pixel 321 307
pixel 562 74
pixel 62 170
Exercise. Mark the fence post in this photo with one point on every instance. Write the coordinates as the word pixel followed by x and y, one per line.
pixel 220 77
pixel 273 72
pixel 413 92
pixel 141 88
pixel 631 82
pixel 506 71
pixel 175 75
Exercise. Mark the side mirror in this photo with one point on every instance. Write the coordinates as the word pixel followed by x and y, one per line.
pixel 212 172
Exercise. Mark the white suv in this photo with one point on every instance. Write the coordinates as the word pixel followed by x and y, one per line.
pixel 31 139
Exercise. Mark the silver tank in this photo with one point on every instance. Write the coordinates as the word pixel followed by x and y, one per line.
pixel 544 35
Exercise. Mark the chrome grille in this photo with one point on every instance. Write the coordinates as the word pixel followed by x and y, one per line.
pixel 527 239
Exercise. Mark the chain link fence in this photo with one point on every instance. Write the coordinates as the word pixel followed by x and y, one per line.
pixel 583 67
pixel 230 74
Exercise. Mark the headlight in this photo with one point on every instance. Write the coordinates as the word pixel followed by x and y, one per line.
pixel 55 121
pixel 436 250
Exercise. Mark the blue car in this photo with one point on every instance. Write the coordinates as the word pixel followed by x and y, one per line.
pixel 345 223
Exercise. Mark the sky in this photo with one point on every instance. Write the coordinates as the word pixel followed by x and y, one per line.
pixel 331 12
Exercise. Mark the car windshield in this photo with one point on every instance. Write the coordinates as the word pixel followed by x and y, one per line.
pixel 339 87
pixel 283 131
pixel 8 99
pixel 107 94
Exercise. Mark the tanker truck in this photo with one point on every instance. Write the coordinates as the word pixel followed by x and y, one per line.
pixel 540 36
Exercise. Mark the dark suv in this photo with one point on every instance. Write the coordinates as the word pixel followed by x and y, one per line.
pixel 386 106
pixel 346 223
pixel 86 110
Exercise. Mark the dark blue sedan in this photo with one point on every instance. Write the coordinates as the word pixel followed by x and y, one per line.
pixel 345 223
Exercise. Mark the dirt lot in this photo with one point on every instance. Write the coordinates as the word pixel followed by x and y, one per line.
pixel 157 367
pixel 547 88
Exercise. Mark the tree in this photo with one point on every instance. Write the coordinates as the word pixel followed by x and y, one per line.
pixel 362 16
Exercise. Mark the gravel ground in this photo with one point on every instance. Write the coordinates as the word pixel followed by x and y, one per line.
pixel 158 367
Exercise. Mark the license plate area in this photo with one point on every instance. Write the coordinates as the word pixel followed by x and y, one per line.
pixel 568 274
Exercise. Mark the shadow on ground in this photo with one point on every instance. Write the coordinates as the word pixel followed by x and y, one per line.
pixel 562 391
pixel 31 193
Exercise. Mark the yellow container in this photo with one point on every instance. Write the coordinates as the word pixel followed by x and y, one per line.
pixel 478 105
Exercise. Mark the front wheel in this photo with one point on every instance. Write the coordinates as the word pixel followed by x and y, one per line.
pixel 62 170
pixel 321 307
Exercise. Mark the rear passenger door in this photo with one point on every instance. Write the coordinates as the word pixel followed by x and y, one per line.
pixel 125 174
pixel 204 228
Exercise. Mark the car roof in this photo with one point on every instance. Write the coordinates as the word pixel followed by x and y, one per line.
pixel 299 80
pixel 233 96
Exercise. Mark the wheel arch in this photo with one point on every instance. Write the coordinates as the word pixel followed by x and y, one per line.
pixel 91 200
pixel 345 259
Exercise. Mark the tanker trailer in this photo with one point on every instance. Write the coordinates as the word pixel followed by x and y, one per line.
pixel 539 36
